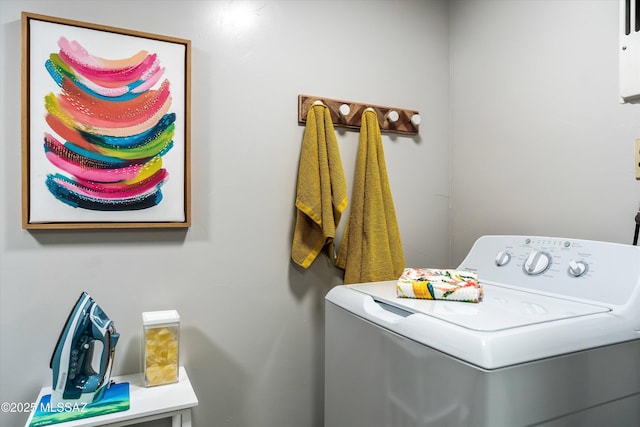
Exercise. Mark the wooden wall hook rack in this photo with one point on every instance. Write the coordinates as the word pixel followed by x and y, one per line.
pixel 348 114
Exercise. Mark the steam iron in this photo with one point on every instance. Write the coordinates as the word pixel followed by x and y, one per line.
pixel 79 376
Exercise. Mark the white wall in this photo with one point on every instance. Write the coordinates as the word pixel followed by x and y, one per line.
pixel 541 144
pixel 252 323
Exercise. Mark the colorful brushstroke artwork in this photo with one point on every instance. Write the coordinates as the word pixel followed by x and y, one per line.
pixel 108 128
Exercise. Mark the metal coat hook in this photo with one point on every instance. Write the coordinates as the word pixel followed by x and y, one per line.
pixel 348 114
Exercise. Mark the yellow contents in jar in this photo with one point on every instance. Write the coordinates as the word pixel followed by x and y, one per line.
pixel 161 356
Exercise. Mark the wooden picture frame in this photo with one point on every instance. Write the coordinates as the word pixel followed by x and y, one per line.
pixel 105 126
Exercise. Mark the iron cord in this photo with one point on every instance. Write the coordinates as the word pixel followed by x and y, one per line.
pixel 635 235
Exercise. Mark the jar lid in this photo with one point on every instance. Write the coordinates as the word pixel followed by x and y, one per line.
pixel 160 317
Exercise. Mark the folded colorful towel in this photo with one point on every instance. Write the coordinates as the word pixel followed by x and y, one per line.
pixel 439 284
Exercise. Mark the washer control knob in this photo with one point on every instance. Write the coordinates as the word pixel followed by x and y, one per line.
pixel 502 258
pixel 537 263
pixel 577 268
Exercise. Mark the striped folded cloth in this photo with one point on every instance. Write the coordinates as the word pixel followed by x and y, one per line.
pixel 439 284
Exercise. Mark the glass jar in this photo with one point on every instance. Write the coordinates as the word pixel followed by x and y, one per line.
pixel 161 331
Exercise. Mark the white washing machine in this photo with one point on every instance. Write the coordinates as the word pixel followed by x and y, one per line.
pixel 554 342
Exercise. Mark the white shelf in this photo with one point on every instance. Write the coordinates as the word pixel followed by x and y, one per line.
pixel 146 403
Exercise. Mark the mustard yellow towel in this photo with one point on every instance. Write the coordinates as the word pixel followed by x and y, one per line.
pixel 371 249
pixel 322 190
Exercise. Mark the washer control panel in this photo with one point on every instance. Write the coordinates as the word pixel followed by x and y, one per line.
pixel 580 269
pixel 538 261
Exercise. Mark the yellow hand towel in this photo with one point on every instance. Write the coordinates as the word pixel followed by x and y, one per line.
pixel 322 190
pixel 371 249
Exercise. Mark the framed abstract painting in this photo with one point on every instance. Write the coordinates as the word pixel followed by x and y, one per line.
pixel 105 126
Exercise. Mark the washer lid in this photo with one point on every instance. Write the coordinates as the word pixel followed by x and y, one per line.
pixel 501 308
